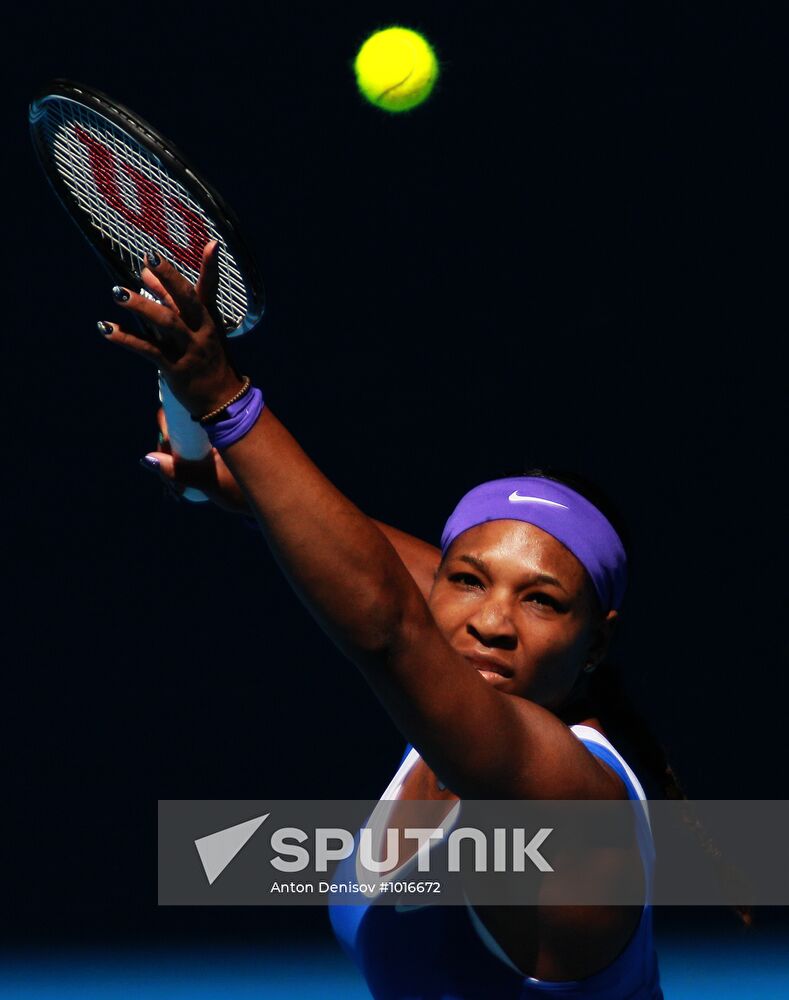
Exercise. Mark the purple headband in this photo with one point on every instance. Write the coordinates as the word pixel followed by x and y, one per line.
pixel 557 509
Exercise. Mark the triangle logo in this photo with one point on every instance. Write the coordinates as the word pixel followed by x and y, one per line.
pixel 218 849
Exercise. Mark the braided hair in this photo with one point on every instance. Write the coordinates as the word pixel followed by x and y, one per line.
pixel 604 696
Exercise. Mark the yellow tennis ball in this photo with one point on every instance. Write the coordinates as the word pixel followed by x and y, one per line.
pixel 396 69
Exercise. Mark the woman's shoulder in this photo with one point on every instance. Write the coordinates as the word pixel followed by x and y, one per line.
pixel 591 734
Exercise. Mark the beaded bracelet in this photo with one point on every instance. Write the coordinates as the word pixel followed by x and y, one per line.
pixel 208 417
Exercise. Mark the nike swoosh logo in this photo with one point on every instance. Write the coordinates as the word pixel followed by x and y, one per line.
pixel 515 497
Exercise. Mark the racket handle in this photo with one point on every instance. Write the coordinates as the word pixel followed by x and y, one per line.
pixel 187 439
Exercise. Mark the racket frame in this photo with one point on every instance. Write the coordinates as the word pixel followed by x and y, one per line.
pixel 146 135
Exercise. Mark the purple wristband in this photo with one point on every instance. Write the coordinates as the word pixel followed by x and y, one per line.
pixel 237 420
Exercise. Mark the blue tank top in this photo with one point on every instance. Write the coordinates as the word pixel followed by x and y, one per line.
pixel 445 953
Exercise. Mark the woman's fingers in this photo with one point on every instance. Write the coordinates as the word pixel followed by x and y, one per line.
pixel 132 342
pixel 209 474
pixel 167 332
pixel 156 288
pixel 162 463
pixel 188 338
pixel 154 312
pixel 208 282
pixel 161 422
pixel 163 437
pixel 176 285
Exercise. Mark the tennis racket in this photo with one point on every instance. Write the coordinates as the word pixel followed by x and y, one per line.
pixel 130 191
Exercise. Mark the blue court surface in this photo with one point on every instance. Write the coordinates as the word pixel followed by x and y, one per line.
pixel 749 966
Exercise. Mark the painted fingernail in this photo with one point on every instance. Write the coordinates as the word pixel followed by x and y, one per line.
pixel 105 329
pixel 120 294
pixel 154 260
pixel 149 462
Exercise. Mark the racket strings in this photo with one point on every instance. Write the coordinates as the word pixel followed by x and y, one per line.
pixel 133 202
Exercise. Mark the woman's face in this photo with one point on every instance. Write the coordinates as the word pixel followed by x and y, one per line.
pixel 519 605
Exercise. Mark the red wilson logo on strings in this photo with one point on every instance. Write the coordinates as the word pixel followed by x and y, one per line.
pixel 154 202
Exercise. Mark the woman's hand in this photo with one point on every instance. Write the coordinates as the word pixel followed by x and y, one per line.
pixel 209 474
pixel 187 341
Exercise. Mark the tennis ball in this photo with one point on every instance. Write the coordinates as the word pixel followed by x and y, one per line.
pixel 396 69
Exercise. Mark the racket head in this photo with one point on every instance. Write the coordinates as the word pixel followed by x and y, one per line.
pixel 131 191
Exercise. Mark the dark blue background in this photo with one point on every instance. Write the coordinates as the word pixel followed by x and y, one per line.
pixel 573 254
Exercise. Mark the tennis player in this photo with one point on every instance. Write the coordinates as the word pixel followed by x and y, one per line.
pixel 481 653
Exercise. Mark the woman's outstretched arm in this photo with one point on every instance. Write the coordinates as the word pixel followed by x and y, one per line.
pixel 482 742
